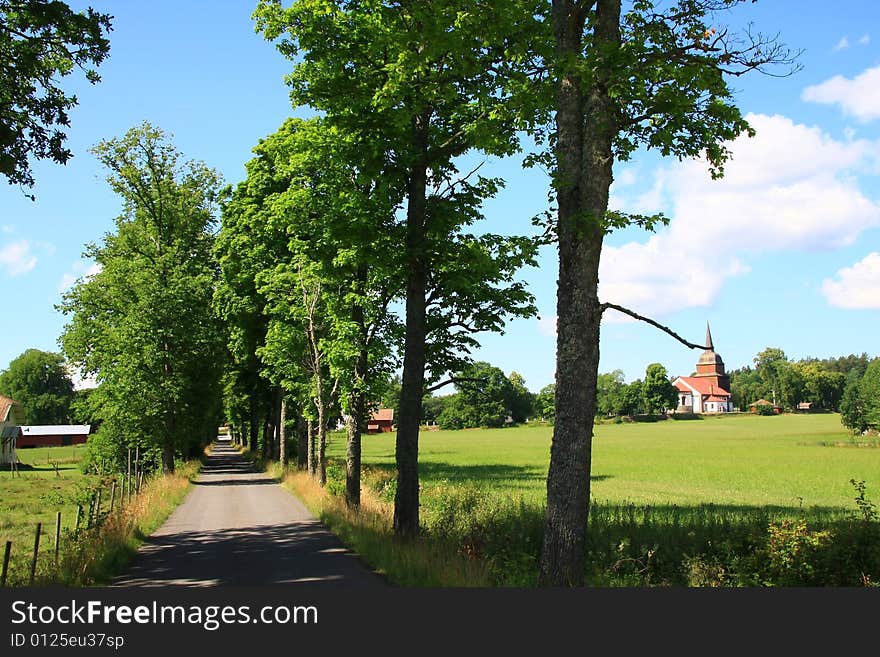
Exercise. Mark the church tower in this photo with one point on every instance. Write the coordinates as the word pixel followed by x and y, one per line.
pixel 710 366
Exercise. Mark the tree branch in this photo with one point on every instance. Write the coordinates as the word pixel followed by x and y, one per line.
pixel 455 379
pixel 626 311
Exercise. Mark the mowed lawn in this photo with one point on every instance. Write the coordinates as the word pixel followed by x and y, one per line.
pixel 745 460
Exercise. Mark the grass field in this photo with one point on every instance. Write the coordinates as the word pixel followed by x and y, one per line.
pixel 36 494
pixel 49 481
pixel 718 501
pixel 784 461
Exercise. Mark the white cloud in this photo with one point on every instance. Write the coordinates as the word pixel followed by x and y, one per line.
pixel 856 287
pixel 842 44
pixel 858 97
pixel 792 187
pixel 16 258
pixel 864 40
pixel 79 269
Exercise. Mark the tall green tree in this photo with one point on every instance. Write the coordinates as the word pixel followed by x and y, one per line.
pixel 42 41
pixel 651 77
pixel 659 393
pixel 522 401
pixel 869 392
pixel 143 326
pixel 420 82
pixel 770 363
pixel 852 405
pixel 484 399
pixel 40 382
pixel 545 402
pixel 330 272
pixel 609 393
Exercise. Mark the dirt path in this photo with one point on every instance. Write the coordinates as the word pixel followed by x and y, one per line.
pixel 239 527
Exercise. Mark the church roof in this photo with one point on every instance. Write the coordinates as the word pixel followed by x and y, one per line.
pixel 709 357
pixel 702 385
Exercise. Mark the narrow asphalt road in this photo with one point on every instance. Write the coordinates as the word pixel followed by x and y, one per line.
pixel 238 527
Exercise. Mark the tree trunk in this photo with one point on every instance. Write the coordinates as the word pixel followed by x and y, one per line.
pixel 275 446
pixel 406 498
pixel 303 432
pixel 322 443
pixel 168 456
pixel 268 434
pixel 584 159
pixel 312 453
pixel 357 403
pixel 254 423
pixel 282 432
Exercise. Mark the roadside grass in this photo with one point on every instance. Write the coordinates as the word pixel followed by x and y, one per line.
pixel 731 501
pixel 91 555
pixel 103 552
pixel 422 563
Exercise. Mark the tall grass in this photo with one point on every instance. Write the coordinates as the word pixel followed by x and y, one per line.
pixel 93 556
pixel 369 532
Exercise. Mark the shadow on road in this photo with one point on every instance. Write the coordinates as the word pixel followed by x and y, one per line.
pixel 299 552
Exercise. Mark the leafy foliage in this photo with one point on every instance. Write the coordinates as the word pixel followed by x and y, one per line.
pixel 143 325
pixel 40 382
pixel 40 42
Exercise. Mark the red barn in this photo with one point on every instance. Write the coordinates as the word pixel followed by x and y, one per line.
pixel 381 421
pixel 54 435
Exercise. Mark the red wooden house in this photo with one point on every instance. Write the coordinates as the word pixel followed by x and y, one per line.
pixel 381 421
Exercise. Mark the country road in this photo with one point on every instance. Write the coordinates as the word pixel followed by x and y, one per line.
pixel 239 527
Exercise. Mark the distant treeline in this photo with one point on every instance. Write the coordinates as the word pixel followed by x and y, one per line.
pixel 486 397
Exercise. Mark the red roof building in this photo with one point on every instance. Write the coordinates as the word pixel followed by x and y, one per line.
pixel 708 391
pixel 381 421
pixel 54 435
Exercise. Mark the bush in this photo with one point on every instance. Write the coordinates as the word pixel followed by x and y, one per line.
pixel 764 409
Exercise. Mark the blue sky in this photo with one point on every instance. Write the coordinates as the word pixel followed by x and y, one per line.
pixel 784 252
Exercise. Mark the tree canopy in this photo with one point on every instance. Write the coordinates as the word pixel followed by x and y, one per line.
pixel 40 382
pixel 143 325
pixel 42 41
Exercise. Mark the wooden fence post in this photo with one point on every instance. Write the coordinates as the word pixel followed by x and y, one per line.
pixel 128 474
pixel 36 550
pixel 57 535
pixel 79 512
pixel 6 553
pixel 98 507
pixel 112 495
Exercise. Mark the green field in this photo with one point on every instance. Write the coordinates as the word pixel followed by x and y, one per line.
pixel 36 494
pixel 747 460
pixel 719 501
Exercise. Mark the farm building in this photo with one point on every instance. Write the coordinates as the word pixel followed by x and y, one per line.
pixel 763 402
pixel 54 435
pixel 381 421
pixel 11 416
pixel 9 435
pixel 707 391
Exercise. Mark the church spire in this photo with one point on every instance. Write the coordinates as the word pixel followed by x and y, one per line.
pixel 709 344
